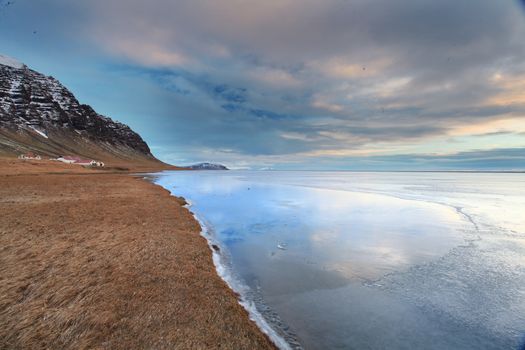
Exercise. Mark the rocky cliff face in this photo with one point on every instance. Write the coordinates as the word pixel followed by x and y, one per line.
pixel 38 113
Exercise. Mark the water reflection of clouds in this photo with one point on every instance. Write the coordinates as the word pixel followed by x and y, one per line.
pixel 344 227
pixel 349 231
pixel 324 237
pixel 498 198
pixel 336 226
pixel 230 236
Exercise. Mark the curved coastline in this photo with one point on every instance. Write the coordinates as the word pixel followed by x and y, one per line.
pixel 102 259
pixel 225 273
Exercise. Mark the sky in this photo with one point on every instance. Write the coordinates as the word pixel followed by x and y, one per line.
pixel 292 84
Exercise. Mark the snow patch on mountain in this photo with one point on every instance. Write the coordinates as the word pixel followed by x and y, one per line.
pixel 11 62
pixel 41 133
pixel 39 104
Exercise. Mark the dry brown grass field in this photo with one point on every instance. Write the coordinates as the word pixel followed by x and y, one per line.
pixel 97 259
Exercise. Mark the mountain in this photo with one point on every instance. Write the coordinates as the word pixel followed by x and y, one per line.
pixel 207 166
pixel 38 114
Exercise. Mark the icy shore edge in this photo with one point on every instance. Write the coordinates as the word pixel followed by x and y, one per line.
pixel 238 287
pixel 224 272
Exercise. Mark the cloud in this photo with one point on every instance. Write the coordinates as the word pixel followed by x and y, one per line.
pixel 291 80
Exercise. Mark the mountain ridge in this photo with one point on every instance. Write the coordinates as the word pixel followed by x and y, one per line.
pixel 208 166
pixel 39 114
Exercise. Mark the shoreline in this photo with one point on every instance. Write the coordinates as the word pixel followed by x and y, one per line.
pixel 109 261
pixel 224 272
pixel 247 297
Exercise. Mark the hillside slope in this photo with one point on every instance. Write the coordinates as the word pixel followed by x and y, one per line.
pixel 39 114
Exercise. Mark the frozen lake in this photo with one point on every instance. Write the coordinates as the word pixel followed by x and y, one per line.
pixel 371 260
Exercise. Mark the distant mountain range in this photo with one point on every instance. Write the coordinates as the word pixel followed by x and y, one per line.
pixel 40 115
pixel 208 166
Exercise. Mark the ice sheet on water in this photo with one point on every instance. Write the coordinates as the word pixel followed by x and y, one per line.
pixel 430 260
pixel 478 286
